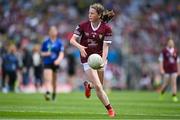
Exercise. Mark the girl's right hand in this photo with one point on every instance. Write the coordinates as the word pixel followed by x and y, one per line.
pixel 162 71
pixel 48 53
pixel 82 51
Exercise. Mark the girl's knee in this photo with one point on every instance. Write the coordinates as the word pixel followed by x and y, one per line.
pixel 98 87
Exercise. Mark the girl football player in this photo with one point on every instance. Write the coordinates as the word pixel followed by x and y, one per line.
pixel 53 52
pixel 169 67
pixel 95 37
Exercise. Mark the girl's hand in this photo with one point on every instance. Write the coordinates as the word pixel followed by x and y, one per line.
pixel 48 53
pixel 162 71
pixel 82 51
pixel 56 62
pixel 178 72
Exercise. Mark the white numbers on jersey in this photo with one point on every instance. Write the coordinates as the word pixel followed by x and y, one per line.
pixel 92 43
pixel 171 60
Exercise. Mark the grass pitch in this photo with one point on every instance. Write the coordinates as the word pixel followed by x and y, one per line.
pixel 74 106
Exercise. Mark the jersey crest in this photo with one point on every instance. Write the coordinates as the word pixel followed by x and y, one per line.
pixel 100 36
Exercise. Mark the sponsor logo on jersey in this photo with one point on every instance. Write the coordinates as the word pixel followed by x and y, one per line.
pixel 87 34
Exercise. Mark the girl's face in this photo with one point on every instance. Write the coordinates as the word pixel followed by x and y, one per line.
pixel 93 15
pixel 12 48
pixel 53 31
pixel 170 44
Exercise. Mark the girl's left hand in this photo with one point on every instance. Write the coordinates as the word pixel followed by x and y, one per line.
pixel 56 62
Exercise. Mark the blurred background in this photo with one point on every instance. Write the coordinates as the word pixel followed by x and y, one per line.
pixel 140 30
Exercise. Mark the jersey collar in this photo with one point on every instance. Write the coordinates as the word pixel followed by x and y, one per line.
pixel 94 29
pixel 171 50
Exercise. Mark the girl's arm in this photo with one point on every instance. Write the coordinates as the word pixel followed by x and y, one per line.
pixel 178 65
pixel 44 51
pixel 81 48
pixel 105 52
pixel 161 67
pixel 178 68
pixel 59 59
pixel 161 64
pixel 45 54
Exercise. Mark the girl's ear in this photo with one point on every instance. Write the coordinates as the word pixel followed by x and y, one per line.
pixel 99 16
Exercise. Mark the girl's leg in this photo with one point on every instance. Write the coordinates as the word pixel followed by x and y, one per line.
pixel 174 86
pixel 12 79
pixel 48 76
pixel 101 75
pixel 54 85
pixel 166 81
pixel 94 78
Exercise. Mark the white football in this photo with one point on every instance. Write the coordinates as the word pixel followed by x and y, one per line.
pixel 95 61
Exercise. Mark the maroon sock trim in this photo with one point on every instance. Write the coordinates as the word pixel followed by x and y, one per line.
pixel 89 86
pixel 108 107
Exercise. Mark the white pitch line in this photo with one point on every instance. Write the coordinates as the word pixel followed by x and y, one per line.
pixel 123 114
pixel 23 111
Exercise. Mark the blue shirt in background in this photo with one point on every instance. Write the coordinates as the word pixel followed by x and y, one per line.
pixel 55 47
pixel 10 62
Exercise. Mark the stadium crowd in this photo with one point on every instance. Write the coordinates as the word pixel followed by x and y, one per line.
pixel 140 30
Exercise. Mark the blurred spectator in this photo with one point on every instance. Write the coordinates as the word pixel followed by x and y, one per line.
pixel 27 64
pixel 3 52
pixel 37 65
pixel 145 82
pixel 10 64
pixel 71 67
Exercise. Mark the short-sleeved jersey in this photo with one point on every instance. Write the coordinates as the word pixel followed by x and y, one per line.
pixel 170 60
pixel 93 38
pixel 55 47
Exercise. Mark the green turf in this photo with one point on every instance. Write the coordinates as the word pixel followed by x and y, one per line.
pixel 128 105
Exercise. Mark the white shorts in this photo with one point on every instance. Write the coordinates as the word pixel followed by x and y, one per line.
pixel 87 67
pixel 167 75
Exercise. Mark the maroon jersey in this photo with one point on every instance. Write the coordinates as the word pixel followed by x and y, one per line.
pixel 93 38
pixel 170 60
